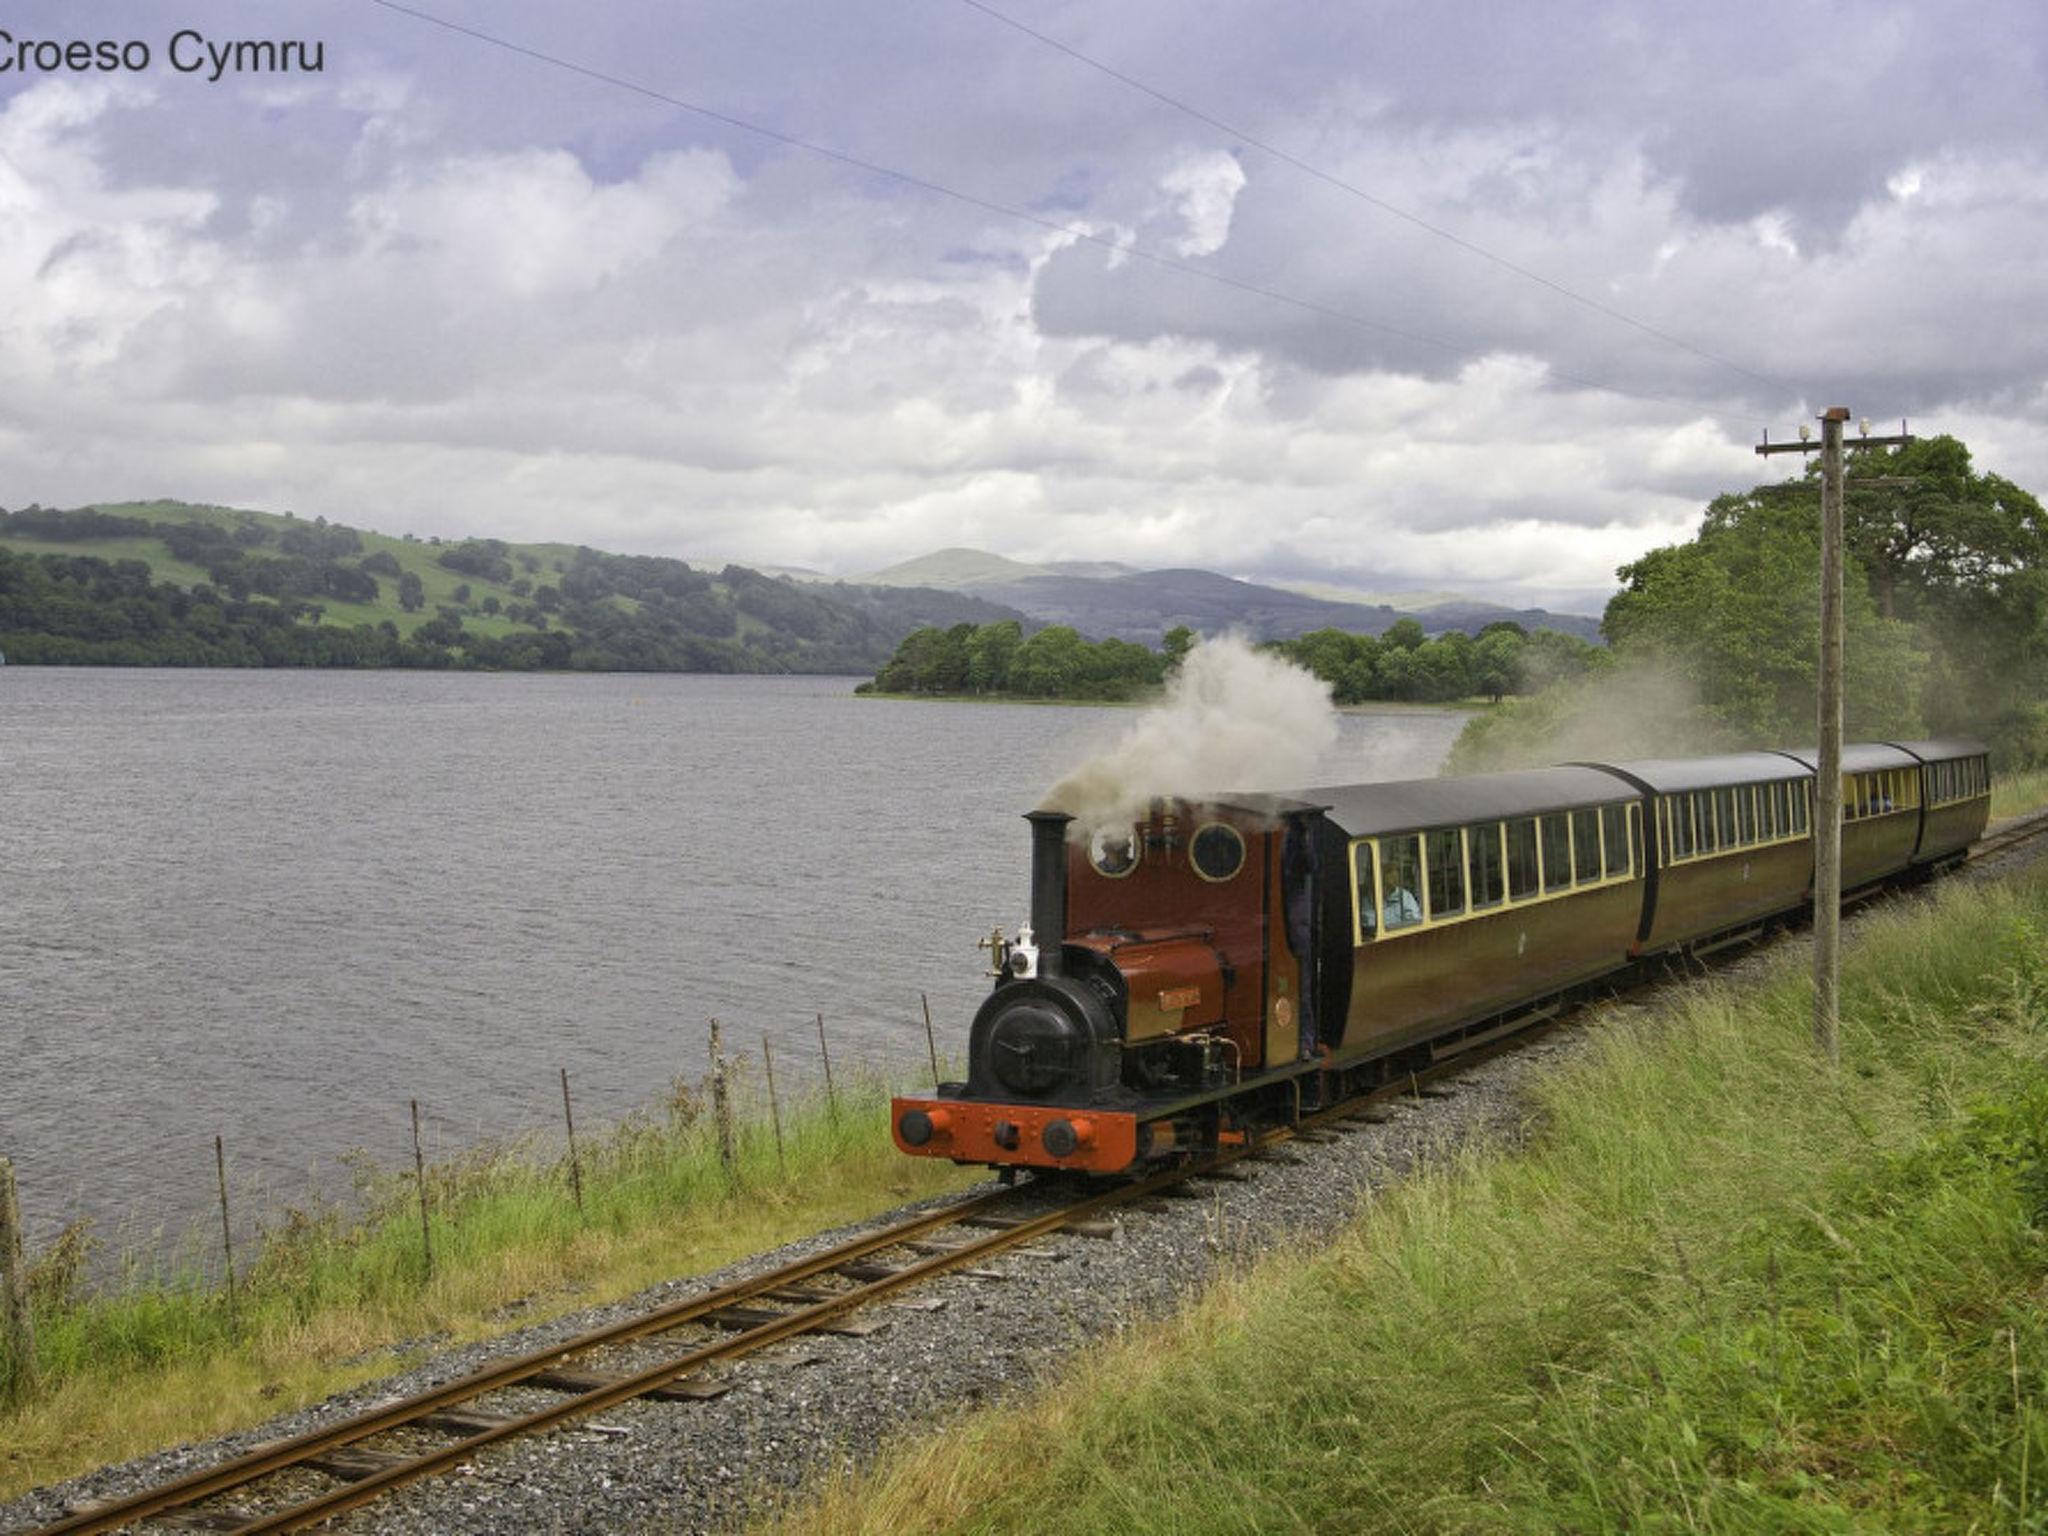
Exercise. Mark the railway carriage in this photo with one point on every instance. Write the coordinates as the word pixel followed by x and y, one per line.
pixel 1955 799
pixel 1221 964
pixel 1880 810
pixel 1733 846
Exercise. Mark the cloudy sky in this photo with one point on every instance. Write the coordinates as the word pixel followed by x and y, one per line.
pixel 446 287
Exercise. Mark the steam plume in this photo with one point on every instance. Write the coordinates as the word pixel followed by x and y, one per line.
pixel 1233 719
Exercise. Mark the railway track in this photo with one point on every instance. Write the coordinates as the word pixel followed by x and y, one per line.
pixel 675 1352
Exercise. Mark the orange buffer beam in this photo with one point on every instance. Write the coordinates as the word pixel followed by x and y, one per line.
pixel 1015 1134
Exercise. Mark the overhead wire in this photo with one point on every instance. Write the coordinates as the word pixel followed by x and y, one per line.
pixel 1392 209
pixel 1127 248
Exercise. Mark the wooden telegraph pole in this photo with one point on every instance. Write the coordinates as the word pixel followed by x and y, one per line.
pixel 1827 782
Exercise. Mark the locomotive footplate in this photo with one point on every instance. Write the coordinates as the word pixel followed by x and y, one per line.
pixel 1054 1137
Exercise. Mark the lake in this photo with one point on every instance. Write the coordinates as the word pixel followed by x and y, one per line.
pixel 278 905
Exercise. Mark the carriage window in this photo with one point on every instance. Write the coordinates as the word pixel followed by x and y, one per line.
pixel 1802 806
pixel 1368 899
pixel 1586 846
pixel 1724 818
pixel 1614 835
pixel 1522 881
pixel 1446 873
pixel 1401 882
pixel 1635 838
pixel 1678 811
pixel 1745 814
pixel 1780 813
pixel 1557 852
pixel 1489 870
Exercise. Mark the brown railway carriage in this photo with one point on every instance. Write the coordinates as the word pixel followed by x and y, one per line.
pixel 1955 798
pixel 1470 894
pixel 1880 809
pixel 1732 838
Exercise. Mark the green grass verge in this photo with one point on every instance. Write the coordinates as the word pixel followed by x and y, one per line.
pixel 337 1289
pixel 1722 1287
pixel 2014 793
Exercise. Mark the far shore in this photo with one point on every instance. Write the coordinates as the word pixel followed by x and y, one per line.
pixel 1370 707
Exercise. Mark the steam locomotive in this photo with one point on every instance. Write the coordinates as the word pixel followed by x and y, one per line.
pixel 1226 964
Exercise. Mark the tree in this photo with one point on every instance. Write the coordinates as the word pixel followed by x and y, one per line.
pixel 1404 635
pixel 1497 660
pixel 1175 645
pixel 411 595
pixel 990 651
pixel 1047 664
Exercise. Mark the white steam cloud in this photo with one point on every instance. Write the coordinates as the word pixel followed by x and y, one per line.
pixel 1234 719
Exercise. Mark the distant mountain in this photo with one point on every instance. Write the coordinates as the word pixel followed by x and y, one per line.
pixel 1146 604
pixel 965 568
pixel 1102 599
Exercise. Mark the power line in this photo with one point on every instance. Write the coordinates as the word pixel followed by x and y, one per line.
pixel 1359 192
pixel 1129 248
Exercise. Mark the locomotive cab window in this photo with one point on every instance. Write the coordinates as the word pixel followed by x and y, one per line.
pixel 1113 851
pixel 1217 852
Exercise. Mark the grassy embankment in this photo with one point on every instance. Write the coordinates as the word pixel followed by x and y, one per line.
pixel 339 1296
pixel 1721 1288
pixel 2013 793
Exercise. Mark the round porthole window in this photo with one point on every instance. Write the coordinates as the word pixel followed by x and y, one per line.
pixel 1113 851
pixel 1217 852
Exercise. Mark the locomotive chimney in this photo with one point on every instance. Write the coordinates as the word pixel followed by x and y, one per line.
pixel 1049 889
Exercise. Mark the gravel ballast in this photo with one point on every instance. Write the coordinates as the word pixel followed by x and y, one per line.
pixel 824 1401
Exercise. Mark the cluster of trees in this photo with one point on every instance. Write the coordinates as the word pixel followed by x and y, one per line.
pixel 1403 663
pixel 1055 663
pixel 1406 663
pixel 1714 641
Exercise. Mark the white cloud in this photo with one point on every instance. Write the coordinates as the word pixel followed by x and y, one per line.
pixel 1204 190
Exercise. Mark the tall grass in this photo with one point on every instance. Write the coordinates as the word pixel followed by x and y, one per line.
pixel 2012 793
pixel 1723 1288
pixel 163 1350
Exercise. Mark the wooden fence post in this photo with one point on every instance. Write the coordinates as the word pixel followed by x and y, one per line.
pixel 17 1329
pixel 227 1230
pixel 831 1092
pixel 721 1106
pixel 419 1168
pixel 774 1109
pixel 575 1166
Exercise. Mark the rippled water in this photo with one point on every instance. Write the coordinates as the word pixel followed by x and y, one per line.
pixel 278 905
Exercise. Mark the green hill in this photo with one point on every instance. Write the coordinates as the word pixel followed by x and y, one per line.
pixel 171 583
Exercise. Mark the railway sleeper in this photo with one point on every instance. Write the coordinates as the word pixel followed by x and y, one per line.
pixel 742 1319
pixel 351 1463
pixel 463 1422
pixel 695 1388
